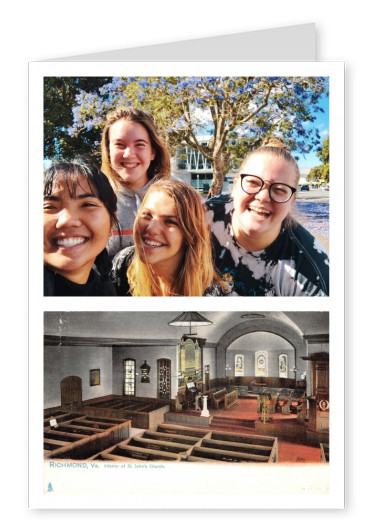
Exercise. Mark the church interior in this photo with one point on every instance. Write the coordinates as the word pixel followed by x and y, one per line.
pixel 223 387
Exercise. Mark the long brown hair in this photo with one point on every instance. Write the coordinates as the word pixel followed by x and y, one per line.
pixel 159 168
pixel 196 272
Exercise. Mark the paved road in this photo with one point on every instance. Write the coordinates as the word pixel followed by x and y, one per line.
pixel 315 196
pixel 311 209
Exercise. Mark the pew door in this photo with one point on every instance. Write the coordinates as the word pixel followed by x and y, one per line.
pixel 164 378
pixel 71 392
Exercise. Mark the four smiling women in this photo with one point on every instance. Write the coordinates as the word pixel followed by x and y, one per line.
pixel 165 241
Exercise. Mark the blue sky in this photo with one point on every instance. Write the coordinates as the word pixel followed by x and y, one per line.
pixel 322 123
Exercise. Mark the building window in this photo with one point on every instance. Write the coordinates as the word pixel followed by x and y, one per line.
pixel 164 378
pixel 129 367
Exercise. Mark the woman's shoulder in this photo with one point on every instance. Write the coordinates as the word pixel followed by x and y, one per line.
pixel 311 258
pixel 48 282
pixel 214 290
pixel 123 257
pixel 218 200
pixel 120 264
pixel 307 241
pixel 219 208
pixel 57 285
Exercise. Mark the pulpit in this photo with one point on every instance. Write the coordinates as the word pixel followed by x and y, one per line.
pixel 319 399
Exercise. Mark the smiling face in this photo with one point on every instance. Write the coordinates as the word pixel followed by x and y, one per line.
pixel 257 220
pixel 76 230
pixel 158 236
pixel 131 152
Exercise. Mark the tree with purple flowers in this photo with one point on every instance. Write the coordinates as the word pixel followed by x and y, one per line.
pixel 236 112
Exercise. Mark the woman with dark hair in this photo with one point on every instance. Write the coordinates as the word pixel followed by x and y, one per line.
pixel 260 249
pixel 133 157
pixel 79 214
pixel 172 253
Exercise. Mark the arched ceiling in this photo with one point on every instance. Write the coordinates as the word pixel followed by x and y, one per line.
pixel 260 341
pixel 124 327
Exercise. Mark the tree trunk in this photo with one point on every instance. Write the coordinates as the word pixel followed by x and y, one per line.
pixel 220 167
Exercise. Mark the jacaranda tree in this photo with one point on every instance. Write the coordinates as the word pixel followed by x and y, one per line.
pixel 237 112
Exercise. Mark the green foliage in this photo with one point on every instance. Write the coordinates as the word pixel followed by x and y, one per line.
pixel 237 112
pixel 321 173
pixel 323 153
pixel 59 98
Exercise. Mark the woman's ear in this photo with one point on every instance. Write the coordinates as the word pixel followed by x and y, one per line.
pixel 113 223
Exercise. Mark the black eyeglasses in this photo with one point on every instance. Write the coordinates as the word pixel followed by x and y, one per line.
pixel 279 192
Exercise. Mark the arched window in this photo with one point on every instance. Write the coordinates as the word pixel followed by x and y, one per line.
pixel 129 370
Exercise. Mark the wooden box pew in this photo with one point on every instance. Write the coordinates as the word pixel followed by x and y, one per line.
pixel 324 452
pixel 124 404
pixel 51 414
pixel 59 435
pixel 210 392
pixel 179 430
pixel 137 407
pixel 218 398
pixel 49 445
pixel 126 452
pixel 61 417
pixel 53 440
pixel 171 437
pixel 87 443
pixel 298 397
pixel 160 445
pixel 256 452
pixel 144 413
pixel 226 455
pixel 97 422
pixel 86 431
pixel 112 402
pixel 262 442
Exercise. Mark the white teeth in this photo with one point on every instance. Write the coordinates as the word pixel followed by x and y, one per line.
pixel 130 165
pixel 70 242
pixel 153 244
pixel 260 211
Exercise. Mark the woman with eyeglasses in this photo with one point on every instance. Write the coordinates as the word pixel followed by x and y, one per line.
pixel 260 249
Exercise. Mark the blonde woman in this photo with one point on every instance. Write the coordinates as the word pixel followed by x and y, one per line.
pixel 172 253
pixel 260 250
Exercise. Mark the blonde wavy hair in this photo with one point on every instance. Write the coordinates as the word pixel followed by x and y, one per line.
pixel 159 168
pixel 275 147
pixel 196 272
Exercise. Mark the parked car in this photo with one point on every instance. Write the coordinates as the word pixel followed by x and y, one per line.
pixel 304 188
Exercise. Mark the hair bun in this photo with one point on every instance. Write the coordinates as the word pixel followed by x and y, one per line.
pixel 273 141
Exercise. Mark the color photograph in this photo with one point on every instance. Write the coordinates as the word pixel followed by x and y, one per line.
pixel 230 172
